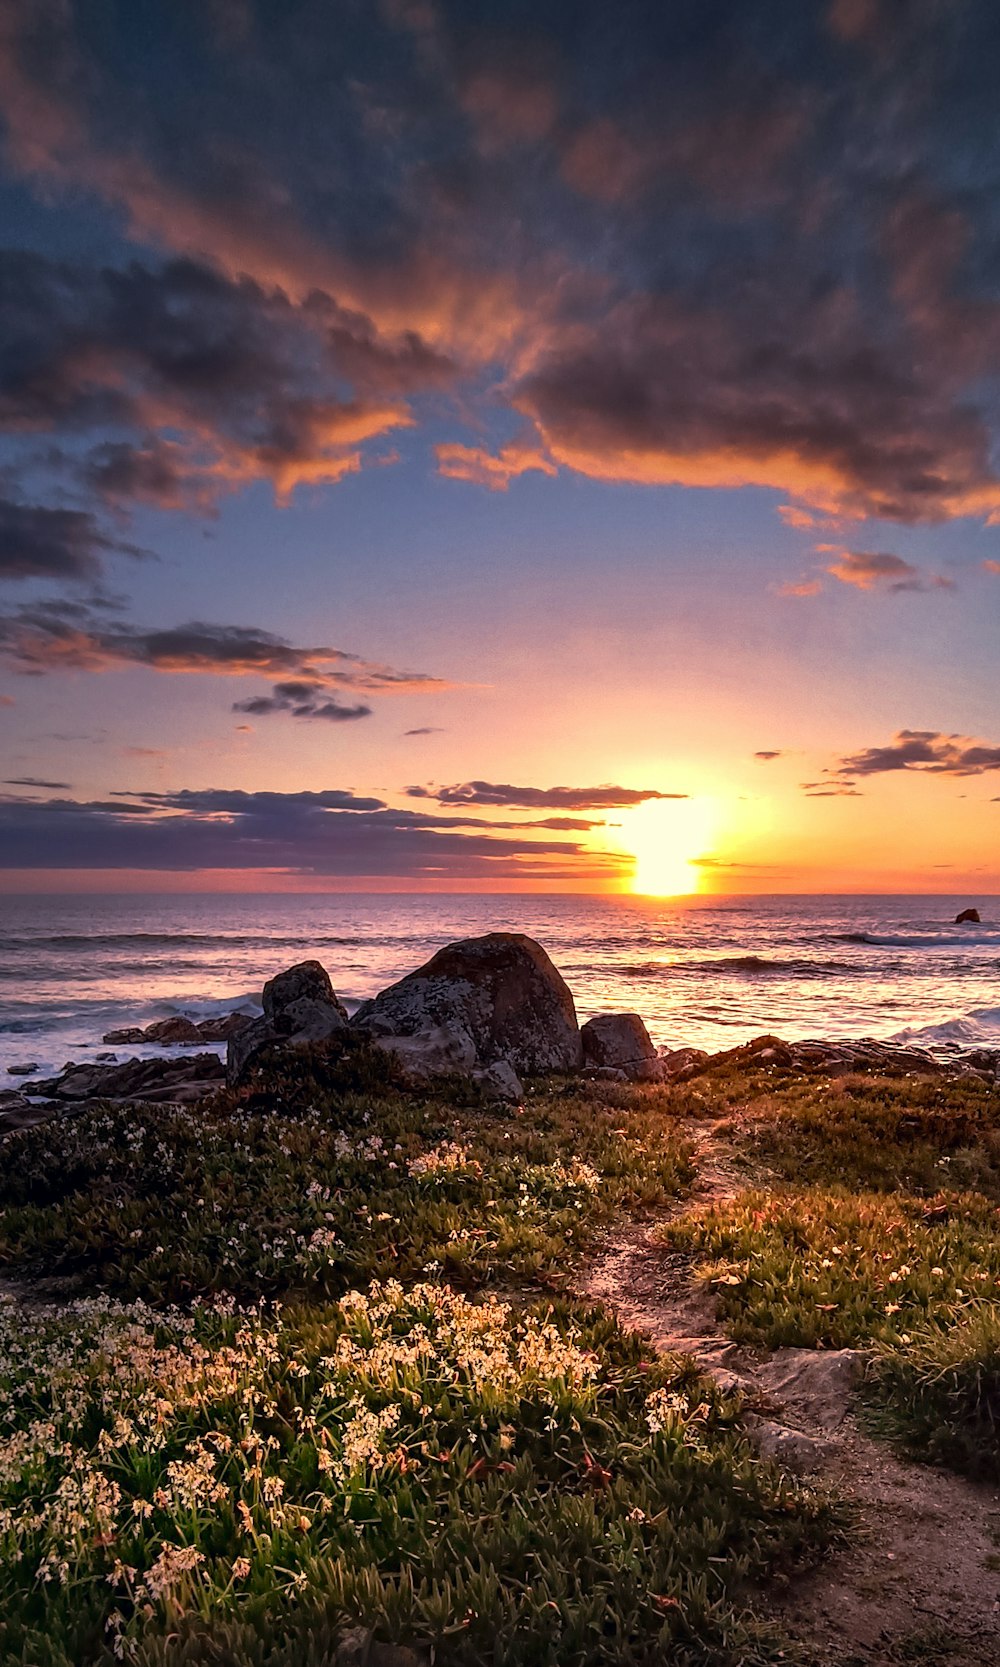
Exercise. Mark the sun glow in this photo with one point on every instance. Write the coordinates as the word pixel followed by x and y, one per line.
pixel 666 838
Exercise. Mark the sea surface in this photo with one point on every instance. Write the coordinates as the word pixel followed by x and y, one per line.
pixel 711 972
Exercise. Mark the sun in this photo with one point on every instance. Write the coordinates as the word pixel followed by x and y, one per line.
pixel 666 837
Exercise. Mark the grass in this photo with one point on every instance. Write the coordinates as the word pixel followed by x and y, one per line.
pixel 298 1187
pixel 331 1380
pixel 873 1134
pixel 879 1229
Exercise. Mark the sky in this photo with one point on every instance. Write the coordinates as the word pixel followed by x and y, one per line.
pixel 457 446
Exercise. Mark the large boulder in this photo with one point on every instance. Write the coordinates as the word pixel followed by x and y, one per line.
pixel 300 1007
pixel 970 916
pixel 620 1041
pixel 502 990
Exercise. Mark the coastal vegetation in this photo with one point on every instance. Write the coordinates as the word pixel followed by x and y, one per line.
pixel 310 1356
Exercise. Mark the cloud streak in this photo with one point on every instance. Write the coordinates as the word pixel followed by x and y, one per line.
pixel 60 636
pixel 870 570
pixel 538 798
pixel 333 833
pixel 41 543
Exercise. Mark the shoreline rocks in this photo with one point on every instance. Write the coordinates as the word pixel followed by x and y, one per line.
pixel 179 1031
pixel 181 1080
pixel 486 1010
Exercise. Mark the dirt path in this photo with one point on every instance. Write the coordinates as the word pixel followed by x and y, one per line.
pixel 920 1580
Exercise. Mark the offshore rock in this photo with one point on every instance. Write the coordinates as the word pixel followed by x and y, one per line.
pixel 180 1031
pixel 970 915
pixel 502 990
pixel 620 1041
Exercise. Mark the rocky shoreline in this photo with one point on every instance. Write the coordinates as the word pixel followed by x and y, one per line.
pixel 490 1010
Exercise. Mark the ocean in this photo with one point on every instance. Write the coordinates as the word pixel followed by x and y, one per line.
pixel 710 972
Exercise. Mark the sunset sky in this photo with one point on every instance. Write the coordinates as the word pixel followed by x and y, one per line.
pixel 452 445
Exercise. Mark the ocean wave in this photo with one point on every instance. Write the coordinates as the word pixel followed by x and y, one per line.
pixel 980 1025
pixel 751 966
pixel 924 940
pixel 181 940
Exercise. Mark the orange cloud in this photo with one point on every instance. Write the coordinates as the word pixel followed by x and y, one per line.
pixel 805 587
pixel 475 464
pixel 795 517
pixel 880 570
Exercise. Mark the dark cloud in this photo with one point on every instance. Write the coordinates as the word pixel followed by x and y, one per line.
pixel 310 703
pixel 538 798
pixel 329 833
pixel 722 246
pixel 766 757
pixel 40 543
pixel 200 382
pixel 927 751
pixel 425 729
pixel 68 636
pixel 33 781
pixel 879 570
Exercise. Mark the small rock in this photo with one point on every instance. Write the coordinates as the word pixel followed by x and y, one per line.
pixel 621 1040
pixel 499 1082
pixel 173 1030
pixel 220 1030
pixel 792 1449
pixel 22 1070
pixel 360 1648
pixel 815 1383
pixel 308 980
pixel 438 1051
pixel 300 1007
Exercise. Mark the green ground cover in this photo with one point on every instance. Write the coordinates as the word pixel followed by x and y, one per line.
pixel 329 1379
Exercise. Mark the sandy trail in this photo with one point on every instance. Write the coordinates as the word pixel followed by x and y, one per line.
pixel 920 1578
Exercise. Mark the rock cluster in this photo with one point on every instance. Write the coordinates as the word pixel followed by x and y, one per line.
pixel 836 1059
pixel 178 1031
pixel 486 1009
pixel 180 1080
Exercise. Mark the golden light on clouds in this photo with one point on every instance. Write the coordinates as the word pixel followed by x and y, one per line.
pixel 666 838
